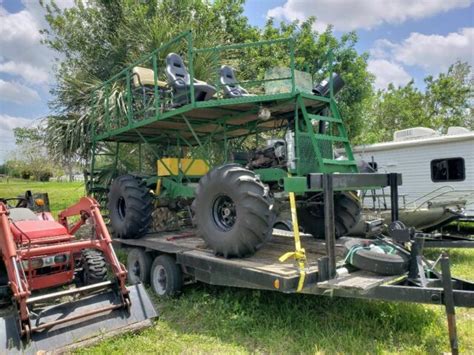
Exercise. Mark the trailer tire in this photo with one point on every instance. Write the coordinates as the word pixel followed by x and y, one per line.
pixel 233 211
pixel 347 213
pixel 94 267
pixel 138 266
pixel 130 205
pixel 166 277
pixel 363 257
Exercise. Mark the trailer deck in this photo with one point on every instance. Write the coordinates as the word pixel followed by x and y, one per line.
pixel 263 270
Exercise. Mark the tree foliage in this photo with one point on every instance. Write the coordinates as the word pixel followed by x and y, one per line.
pixel 446 101
pixel 30 160
pixel 98 38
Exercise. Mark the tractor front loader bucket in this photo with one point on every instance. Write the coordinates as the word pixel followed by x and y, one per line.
pixel 70 325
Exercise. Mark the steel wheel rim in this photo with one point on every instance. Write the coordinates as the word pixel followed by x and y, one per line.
pixel 121 207
pixel 136 271
pixel 160 280
pixel 224 212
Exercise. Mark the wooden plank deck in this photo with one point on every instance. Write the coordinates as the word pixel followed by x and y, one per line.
pixel 264 260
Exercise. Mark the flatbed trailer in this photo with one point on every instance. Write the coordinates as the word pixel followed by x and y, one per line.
pixel 264 271
pixel 326 271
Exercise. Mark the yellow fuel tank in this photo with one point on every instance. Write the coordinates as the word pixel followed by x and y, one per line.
pixel 189 166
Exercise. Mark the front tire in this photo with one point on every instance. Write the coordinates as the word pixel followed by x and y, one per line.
pixel 94 267
pixel 233 211
pixel 130 204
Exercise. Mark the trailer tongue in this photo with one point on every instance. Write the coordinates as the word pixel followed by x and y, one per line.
pixel 38 254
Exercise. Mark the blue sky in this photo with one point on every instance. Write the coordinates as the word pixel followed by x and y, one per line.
pixel 405 38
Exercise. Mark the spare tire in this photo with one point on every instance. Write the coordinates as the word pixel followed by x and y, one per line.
pixel 376 256
pixel 233 211
pixel 347 213
pixel 130 204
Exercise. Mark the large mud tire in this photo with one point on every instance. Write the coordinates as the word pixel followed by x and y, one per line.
pixel 130 205
pixel 347 211
pixel 233 211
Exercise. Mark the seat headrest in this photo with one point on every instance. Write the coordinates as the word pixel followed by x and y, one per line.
pixel 227 75
pixel 175 68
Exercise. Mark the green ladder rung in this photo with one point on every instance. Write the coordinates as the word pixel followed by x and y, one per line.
pixel 324 118
pixel 339 162
pixel 327 137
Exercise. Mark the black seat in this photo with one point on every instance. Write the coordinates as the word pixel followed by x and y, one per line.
pixel 230 84
pixel 179 80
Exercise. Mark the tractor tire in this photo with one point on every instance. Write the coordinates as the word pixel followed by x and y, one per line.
pixel 94 267
pixel 138 266
pixel 166 277
pixel 233 211
pixel 365 255
pixel 130 205
pixel 347 213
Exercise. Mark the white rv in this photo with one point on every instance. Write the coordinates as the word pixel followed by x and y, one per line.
pixel 437 170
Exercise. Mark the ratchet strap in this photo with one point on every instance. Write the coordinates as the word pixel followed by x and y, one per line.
pixel 299 254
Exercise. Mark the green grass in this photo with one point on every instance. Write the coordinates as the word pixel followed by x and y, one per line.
pixel 211 319
pixel 61 194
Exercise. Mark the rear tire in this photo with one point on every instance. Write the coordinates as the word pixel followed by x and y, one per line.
pixel 130 205
pixel 233 211
pixel 138 266
pixel 347 213
pixel 166 277
pixel 94 267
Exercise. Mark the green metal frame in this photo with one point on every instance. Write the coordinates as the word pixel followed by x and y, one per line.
pixel 195 128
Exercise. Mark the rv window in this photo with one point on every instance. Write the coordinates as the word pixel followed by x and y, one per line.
pixel 449 169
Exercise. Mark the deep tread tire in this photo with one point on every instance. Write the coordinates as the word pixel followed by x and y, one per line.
pixel 253 208
pixel 138 266
pixel 379 263
pixel 347 215
pixel 94 267
pixel 130 205
pixel 166 278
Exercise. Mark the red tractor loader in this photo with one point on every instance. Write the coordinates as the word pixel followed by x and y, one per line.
pixel 60 290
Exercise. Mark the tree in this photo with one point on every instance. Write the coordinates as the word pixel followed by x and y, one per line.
pixel 31 158
pixel 449 97
pixel 446 101
pixel 98 39
pixel 393 109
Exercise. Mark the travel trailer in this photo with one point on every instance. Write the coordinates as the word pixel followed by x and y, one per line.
pixel 437 172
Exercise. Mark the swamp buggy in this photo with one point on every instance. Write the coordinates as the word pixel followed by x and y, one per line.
pixel 236 182
pixel 42 258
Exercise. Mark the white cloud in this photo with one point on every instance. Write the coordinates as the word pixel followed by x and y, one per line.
pixel 17 93
pixel 432 53
pixel 435 53
pixel 347 15
pixel 387 72
pixel 28 72
pixel 20 40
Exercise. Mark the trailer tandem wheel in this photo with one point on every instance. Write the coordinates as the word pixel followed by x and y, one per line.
pixel 166 277
pixel 138 266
